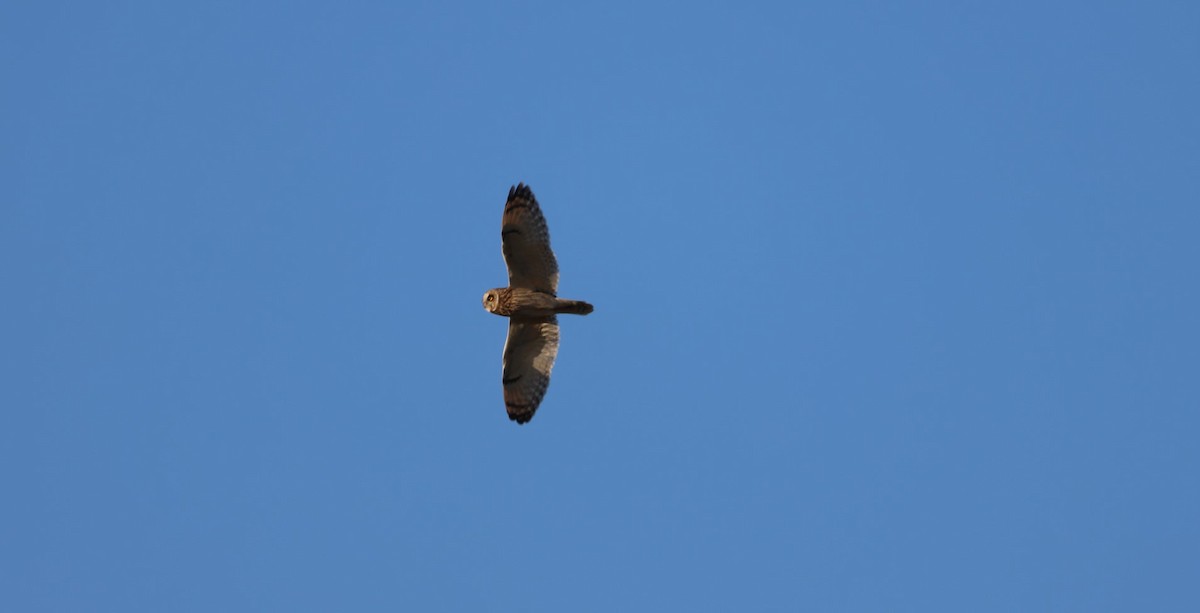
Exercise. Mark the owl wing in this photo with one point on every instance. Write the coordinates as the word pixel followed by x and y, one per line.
pixel 529 355
pixel 526 242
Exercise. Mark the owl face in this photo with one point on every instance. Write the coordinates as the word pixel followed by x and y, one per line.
pixel 490 300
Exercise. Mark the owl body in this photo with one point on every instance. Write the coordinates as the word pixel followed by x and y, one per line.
pixel 530 303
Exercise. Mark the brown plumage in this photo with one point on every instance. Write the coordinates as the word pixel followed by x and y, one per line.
pixel 525 302
pixel 530 303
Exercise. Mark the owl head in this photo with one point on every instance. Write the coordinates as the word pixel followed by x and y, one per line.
pixel 491 300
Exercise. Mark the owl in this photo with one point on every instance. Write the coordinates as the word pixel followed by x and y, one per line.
pixel 530 304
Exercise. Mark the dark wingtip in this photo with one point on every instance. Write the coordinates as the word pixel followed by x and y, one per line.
pixel 520 413
pixel 520 190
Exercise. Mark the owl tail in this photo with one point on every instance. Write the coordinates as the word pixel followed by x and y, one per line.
pixel 574 307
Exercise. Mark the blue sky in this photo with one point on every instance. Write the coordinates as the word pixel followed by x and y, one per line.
pixel 895 306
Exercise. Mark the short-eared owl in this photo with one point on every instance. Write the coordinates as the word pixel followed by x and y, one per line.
pixel 530 304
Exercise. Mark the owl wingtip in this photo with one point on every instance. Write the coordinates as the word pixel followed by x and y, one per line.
pixel 520 190
pixel 520 413
pixel 521 419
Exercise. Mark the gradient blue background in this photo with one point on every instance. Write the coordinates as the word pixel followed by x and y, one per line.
pixel 896 307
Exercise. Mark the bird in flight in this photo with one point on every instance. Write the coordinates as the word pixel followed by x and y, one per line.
pixel 530 304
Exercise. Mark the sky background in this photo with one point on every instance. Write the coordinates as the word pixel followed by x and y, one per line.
pixel 896 306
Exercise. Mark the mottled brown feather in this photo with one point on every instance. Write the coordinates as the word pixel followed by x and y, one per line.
pixel 526 243
pixel 529 356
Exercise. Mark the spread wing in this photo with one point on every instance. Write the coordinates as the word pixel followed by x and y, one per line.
pixel 528 357
pixel 526 241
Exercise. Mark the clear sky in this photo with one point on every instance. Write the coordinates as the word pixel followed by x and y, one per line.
pixel 896 306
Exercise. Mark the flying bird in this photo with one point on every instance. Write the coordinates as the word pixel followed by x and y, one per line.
pixel 530 304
